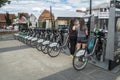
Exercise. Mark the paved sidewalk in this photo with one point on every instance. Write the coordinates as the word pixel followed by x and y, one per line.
pixel 20 62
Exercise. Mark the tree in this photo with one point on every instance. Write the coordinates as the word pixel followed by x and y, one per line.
pixel 2 2
pixel 30 24
pixel 7 18
pixel 21 15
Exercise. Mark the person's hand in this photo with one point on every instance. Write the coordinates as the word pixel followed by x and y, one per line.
pixel 74 28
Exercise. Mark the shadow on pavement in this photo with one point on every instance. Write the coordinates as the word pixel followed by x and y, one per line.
pixel 13 48
pixel 89 73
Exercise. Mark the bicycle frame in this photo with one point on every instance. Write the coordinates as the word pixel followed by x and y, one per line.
pixel 84 52
pixel 95 44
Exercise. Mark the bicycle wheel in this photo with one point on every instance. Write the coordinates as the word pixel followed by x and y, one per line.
pixel 38 47
pixel 98 51
pixel 79 62
pixel 54 51
pixel 102 57
pixel 44 49
pixel 33 44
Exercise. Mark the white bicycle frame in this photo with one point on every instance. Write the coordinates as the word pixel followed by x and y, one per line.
pixel 84 52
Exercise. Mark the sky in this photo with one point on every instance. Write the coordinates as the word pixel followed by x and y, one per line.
pixel 37 6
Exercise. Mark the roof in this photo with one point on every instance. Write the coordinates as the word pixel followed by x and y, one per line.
pixel 23 20
pixel 67 18
pixel 46 15
pixel 2 17
pixel 81 11
pixel 32 15
pixel 103 5
pixel 25 14
pixel 62 13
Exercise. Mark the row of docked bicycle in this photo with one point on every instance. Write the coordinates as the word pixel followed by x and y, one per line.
pixel 49 41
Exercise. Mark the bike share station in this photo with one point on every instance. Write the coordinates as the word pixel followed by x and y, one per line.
pixel 110 59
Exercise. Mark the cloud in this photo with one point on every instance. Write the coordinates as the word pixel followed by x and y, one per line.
pixel 36 6
pixel 54 0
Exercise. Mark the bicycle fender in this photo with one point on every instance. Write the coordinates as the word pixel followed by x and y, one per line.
pixel 46 42
pixel 80 53
pixel 41 40
pixel 34 39
pixel 53 44
pixel 16 34
pixel 26 37
pixel 30 38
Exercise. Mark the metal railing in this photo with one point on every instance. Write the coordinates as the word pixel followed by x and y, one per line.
pixel 7 34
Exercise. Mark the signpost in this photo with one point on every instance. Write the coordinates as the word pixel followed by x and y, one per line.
pixel 103 15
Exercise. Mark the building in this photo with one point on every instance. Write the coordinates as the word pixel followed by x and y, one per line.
pixel 101 7
pixel 45 19
pixel 22 21
pixel 101 13
pixel 23 14
pixel 33 21
pixel 62 18
pixel 3 20
pixel 57 18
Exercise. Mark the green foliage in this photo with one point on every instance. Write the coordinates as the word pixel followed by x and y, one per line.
pixel 2 2
pixel 23 26
pixel 8 20
pixel 15 17
pixel 22 14
pixel 30 24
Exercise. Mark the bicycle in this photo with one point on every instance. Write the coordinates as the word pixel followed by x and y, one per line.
pixel 55 48
pixel 42 36
pixel 33 41
pixel 96 46
pixel 49 39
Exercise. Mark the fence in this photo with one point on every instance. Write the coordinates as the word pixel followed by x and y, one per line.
pixel 7 34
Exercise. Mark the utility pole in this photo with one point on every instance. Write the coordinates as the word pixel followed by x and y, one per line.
pixel 90 7
pixel 51 15
pixel 90 18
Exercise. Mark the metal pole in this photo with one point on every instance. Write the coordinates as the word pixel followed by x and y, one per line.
pixel 51 14
pixel 114 3
pixel 90 7
pixel 90 16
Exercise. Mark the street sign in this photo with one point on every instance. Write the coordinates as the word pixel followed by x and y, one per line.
pixel 103 15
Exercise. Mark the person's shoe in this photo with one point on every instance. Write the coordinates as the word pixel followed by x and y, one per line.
pixel 71 56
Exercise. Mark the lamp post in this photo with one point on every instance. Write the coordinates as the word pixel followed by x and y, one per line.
pixel 90 7
pixel 51 15
pixel 90 13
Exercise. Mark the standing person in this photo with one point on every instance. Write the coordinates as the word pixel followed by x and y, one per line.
pixel 73 36
pixel 82 35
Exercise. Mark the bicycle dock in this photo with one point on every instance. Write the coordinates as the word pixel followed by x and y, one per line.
pixel 111 54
